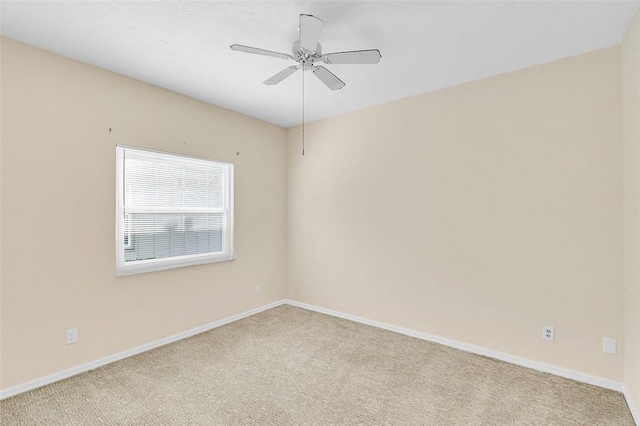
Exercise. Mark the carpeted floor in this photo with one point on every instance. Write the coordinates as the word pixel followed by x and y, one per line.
pixel 289 366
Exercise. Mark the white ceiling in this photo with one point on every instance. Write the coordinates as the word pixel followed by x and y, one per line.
pixel 184 45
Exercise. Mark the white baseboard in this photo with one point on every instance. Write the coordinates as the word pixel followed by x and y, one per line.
pixel 633 407
pixel 540 366
pixel 64 374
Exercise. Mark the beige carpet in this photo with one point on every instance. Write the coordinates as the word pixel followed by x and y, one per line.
pixel 289 366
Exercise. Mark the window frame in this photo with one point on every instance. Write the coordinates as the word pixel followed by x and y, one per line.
pixel 126 232
pixel 122 226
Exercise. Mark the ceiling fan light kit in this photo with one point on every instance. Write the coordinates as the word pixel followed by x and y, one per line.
pixel 307 51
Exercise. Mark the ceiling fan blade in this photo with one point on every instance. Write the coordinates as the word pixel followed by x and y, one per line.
pixel 328 78
pixel 281 75
pixel 310 29
pixel 353 57
pixel 256 51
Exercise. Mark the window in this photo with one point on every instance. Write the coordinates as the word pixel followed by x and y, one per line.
pixel 172 211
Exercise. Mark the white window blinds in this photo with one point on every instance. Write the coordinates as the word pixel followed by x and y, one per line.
pixel 172 211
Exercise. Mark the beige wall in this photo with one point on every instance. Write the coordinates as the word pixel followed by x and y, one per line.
pixel 478 213
pixel 631 155
pixel 58 194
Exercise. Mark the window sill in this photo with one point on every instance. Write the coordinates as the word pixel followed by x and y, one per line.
pixel 155 265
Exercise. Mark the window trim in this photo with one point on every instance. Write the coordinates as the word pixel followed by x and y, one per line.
pixel 149 265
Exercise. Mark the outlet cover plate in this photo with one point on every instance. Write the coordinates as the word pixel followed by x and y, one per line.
pixel 548 332
pixel 72 336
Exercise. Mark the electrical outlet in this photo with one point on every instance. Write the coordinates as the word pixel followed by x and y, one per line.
pixel 548 332
pixel 609 345
pixel 72 336
pixel 257 289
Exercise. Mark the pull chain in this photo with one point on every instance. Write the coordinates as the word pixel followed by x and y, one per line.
pixel 303 109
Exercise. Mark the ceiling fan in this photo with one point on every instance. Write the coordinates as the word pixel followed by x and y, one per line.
pixel 307 51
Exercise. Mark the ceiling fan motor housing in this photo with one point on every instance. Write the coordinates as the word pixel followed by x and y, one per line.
pixel 305 57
